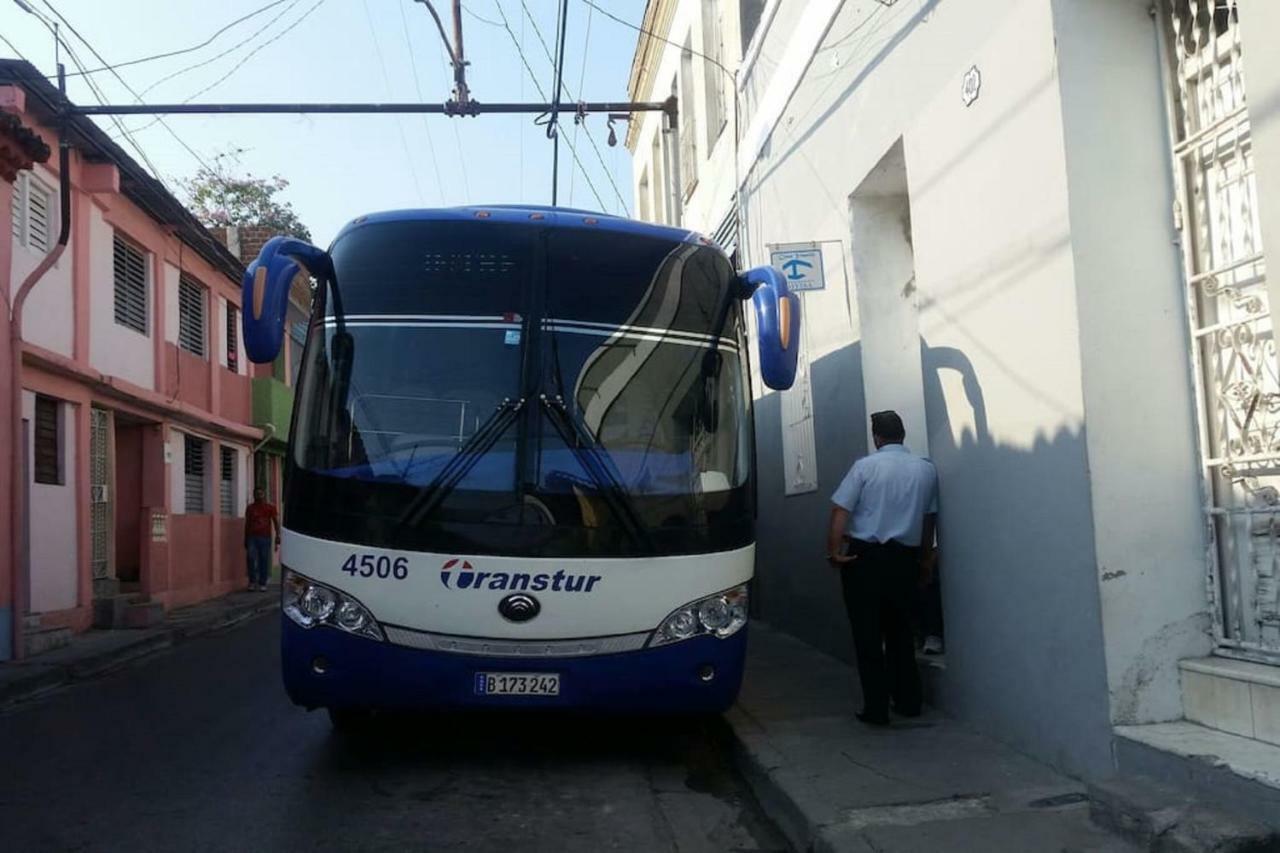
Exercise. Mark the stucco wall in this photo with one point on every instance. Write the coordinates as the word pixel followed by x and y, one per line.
pixel 999 352
pixel 47 316
pixel 52 518
pixel 114 349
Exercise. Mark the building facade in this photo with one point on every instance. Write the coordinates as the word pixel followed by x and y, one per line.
pixel 140 414
pixel 1043 228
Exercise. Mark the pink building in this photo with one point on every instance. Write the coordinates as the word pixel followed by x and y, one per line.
pixel 137 399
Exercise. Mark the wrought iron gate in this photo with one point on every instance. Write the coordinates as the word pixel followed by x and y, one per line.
pixel 99 499
pixel 1232 332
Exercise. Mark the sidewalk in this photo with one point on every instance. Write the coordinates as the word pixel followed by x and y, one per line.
pixel 95 652
pixel 928 784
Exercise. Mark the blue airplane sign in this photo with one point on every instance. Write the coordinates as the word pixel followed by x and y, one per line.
pixel 802 265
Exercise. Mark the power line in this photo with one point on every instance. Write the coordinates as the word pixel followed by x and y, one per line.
pixel 481 18
pixel 417 84
pixel 457 139
pixel 116 74
pixel 192 49
pixel 525 61
pixel 652 34
pixel 595 146
pixel 13 47
pixel 386 81
pixel 557 84
pixel 247 56
pixel 582 81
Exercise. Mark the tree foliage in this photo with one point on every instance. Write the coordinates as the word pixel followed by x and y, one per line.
pixel 222 195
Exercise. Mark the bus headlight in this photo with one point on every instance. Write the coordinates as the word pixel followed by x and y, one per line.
pixel 309 604
pixel 721 615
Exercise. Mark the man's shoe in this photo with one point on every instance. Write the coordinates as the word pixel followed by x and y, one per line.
pixel 932 645
pixel 872 719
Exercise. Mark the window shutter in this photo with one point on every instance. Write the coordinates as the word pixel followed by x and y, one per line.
pixel 193 471
pixel 130 270
pixel 227 481
pixel 191 316
pixel 46 442
pixel 16 207
pixel 233 348
pixel 37 217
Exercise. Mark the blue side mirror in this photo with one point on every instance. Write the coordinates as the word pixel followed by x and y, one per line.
pixel 778 323
pixel 265 293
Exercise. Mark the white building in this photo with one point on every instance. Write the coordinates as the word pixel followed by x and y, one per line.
pixel 1042 225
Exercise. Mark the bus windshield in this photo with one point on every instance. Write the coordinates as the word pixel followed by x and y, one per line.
pixel 524 389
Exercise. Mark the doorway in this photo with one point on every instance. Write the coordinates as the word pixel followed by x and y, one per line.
pixel 128 469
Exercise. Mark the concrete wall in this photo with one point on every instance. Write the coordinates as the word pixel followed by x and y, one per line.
pixel 51 514
pixel 114 349
pixel 1139 398
pixel 998 357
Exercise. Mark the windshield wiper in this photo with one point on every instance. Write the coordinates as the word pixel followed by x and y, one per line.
pixel 473 449
pixel 578 438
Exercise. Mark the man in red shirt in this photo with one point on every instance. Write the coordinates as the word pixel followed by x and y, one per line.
pixel 260 523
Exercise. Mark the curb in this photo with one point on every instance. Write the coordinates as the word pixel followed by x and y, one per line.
pixel 757 762
pixel 40 678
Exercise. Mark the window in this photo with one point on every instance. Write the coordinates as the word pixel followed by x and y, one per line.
pixel 193 471
pixel 32 209
pixel 191 316
pixel 130 271
pixel 659 173
pixel 688 124
pixel 47 439
pixel 712 74
pixel 642 193
pixel 227 481
pixel 233 346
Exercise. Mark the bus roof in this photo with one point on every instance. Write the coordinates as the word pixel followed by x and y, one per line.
pixel 561 217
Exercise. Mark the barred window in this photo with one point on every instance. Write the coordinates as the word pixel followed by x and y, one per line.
pixel 191 325
pixel 130 271
pixel 195 450
pixel 48 468
pixel 227 481
pixel 233 342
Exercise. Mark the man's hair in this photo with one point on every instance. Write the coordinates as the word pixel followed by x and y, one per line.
pixel 888 426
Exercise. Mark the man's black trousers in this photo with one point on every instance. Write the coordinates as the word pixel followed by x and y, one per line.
pixel 879 590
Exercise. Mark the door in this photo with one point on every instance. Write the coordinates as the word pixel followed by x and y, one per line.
pixel 100 498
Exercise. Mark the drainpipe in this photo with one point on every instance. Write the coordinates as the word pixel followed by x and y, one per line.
pixel 17 515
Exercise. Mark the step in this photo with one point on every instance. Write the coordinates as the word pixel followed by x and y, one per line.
pixel 1233 696
pixel 145 614
pixel 45 640
pixel 1162 818
pixel 1218 769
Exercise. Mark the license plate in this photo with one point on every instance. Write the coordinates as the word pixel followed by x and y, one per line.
pixel 517 684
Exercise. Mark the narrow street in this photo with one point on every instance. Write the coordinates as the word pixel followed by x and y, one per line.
pixel 199 749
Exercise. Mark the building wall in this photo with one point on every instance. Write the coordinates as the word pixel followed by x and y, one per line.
pixel 998 358
pixel 52 510
pixel 114 349
pixel 47 317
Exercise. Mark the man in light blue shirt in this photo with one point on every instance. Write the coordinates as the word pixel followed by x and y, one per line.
pixel 880 536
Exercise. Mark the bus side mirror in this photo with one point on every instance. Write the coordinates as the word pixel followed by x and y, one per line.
pixel 265 293
pixel 778 323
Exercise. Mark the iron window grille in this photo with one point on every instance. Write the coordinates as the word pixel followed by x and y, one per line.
pixel 233 342
pixel 227 481
pixel 130 272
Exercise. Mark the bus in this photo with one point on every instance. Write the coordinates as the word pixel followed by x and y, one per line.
pixel 520 469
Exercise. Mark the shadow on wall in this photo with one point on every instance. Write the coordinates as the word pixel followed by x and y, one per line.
pixel 1025 650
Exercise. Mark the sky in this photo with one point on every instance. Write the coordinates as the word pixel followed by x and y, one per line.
pixel 340 167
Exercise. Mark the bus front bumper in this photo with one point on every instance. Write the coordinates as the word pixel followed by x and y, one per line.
pixel 327 668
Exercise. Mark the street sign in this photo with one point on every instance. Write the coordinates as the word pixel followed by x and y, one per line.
pixel 801 263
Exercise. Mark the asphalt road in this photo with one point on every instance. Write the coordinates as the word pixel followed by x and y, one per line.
pixel 199 749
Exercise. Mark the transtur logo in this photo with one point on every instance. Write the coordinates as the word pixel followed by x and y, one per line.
pixel 558 581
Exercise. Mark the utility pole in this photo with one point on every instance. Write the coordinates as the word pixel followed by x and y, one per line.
pixel 460 92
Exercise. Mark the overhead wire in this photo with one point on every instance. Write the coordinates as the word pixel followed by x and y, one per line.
pixel 210 40
pixel 557 84
pixel 457 138
pixel 594 145
pixel 582 81
pixel 386 80
pixel 244 59
pixel 506 23
pixel 417 84
pixel 652 34
pixel 122 82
